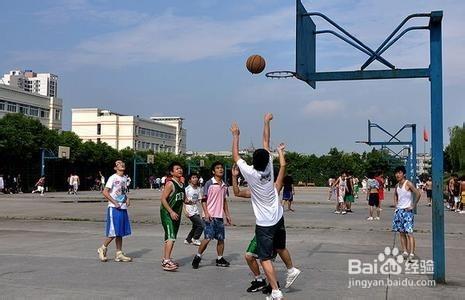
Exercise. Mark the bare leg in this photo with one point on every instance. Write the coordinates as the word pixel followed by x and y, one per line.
pixel 286 257
pixel 403 241
pixel 119 243
pixel 270 273
pixel 203 246
pixel 107 241
pixel 168 249
pixel 253 265
pixel 220 248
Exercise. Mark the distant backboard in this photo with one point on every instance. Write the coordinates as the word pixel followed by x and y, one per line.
pixel 150 158
pixel 63 152
pixel 305 63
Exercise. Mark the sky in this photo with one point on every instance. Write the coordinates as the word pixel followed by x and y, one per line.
pixel 187 59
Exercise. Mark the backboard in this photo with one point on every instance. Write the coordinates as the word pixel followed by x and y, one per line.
pixel 305 59
pixel 63 152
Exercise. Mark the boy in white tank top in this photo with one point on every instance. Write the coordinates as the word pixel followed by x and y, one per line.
pixel 402 220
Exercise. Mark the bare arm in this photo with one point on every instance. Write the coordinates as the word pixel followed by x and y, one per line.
pixel 415 191
pixel 282 168
pixel 226 212
pixel 106 194
pixel 266 131
pixel 238 192
pixel 164 200
pixel 396 197
pixel 235 144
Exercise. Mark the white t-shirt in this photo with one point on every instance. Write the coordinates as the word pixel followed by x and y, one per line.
pixel 118 189
pixel 265 199
pixel 194 195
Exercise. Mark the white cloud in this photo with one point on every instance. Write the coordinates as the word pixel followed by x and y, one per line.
pixel 323 108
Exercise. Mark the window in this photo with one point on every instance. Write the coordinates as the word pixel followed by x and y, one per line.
pixel 99 128
pixel 98 140
pixel 57 114
pixel 2 105
pixel 23 109
pixel 11 107
pixel 34 111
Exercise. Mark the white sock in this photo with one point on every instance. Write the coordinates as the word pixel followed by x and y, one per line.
pixel 291 270
pixel 276 294
pixel 103 246
pixel 199 255
pixel 259 278
pixel 220 257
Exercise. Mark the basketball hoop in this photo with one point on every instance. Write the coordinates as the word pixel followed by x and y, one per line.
pixel 280 74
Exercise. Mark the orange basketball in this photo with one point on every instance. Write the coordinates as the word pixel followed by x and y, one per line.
pixel 255 64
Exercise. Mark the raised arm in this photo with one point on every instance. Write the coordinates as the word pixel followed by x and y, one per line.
pixel 235 144
pixel 282 167
pixel 236 190
pixel 266 131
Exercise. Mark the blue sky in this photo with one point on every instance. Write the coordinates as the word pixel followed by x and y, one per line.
pixel 186 58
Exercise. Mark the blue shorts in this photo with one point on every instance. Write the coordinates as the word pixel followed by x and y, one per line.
pixel 287 196
pixel 117 222
pixel 403 221
pixel 214 229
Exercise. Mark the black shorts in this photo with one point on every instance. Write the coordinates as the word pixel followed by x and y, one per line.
pixel 270 239
pixel 373 199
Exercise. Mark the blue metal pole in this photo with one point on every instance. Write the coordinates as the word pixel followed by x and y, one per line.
pixel 42 162
pixel 414 152
pixel 134 173
pixel 437 146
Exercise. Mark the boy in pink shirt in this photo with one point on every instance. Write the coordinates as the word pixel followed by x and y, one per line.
pixel 214 207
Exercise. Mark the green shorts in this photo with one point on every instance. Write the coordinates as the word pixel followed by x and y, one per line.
pixel 170 226
pixel 349 198
pixel 252 248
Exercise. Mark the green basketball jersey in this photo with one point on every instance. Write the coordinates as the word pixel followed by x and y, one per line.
pixel 176 198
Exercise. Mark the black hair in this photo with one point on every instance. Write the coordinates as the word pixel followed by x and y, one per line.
pixel 191 175
pixel 400 169
pixel 371 174
pixel 172 165
pixel 260 159
pixel 216 163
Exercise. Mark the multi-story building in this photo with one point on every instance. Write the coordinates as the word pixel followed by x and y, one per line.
pixel 45 84
pixel 47 110
pixel 423 163
pixel 160 134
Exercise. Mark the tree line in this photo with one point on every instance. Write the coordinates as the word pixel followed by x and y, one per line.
pixel 21 140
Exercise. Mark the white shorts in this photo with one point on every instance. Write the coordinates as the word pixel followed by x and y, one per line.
pixel 340 199
pixel 456 199
pixel 40 189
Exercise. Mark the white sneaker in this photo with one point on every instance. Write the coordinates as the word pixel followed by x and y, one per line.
pixel 279 296
pixel 370 219
pixel 462 212
pixel 292 277
pixel 196 242
pixel 337 212
pixel 377 218
pixel 187 243
pixel 457 210
pixel 343 212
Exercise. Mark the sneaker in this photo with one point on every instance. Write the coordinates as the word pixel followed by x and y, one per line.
pixel 377 218
pixel 196 242
pixel 120 257
pixel 349 211
pixel 186 242
pixel 292 277
pixel 256 285
pixel 196 262
pixel 370 219
pixel 279 296
pixel 222 262
pixel 457 210
pixel 337 212
pixel 343 212
pixel 267 290
pixel 168 265
pixel 462 212
pixel 405 254
pixel 102 254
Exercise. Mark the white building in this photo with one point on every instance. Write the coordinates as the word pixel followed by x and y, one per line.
pixel 423 163
pixel 45 84
pixel 161 134
pixel 47 110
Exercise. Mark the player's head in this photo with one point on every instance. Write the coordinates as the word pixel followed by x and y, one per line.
pixel 193 178
pixel 260 159
pixel 120 166
pixel 217 169
pixel 400 172
pixel 175 169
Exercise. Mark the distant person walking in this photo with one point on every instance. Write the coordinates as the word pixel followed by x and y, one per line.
pixel 2 183
pixel 40 186
pixel 288 191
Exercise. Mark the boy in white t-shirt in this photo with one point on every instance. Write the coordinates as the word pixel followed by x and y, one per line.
pixel 269 230
pixel 117 224
pixel 194 195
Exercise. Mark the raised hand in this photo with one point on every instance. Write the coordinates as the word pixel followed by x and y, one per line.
pixel 235 129
pixel 268 117
pixel 281 147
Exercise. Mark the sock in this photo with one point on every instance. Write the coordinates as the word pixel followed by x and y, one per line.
pixel 220 257
pixel 104 247
pixel 166 260
pixel 276 294
pixel 259 278
pixel 291 270
pixel 199 255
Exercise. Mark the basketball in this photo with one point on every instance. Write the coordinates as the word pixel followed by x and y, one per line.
pixel 255 64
